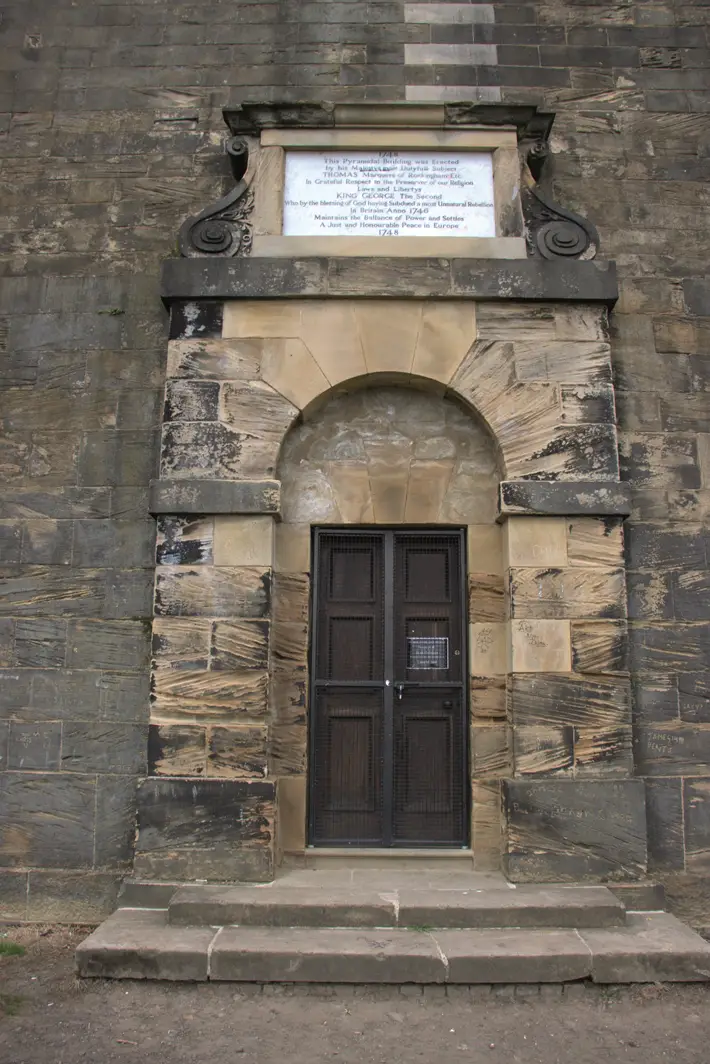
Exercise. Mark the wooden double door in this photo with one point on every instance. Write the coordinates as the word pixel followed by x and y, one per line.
pixel 388 719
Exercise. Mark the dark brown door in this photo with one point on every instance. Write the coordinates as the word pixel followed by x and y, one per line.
pixel 388 754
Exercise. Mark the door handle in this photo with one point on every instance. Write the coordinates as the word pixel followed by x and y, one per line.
pixel 399 688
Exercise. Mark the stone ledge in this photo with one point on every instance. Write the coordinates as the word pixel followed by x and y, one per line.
pixel 534 280
pixel 593 498
pixel 214 496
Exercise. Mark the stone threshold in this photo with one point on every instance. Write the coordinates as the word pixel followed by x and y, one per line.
pixel 141 944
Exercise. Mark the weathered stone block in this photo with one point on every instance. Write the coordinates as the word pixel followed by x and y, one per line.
pixel 34 747
pixel 185 540
pixel 540 701
pixel 104 747
pixel 239 645
pixel 190 400
pixel 570 830
pixel 209 450
pixel 488 646
pixel 214 359
pixel 115 821
pixel 599 646
pixel 129 544
pixel 535 542
pixel 652 546
pixel 486 596
pixel 288 746
pixel 290 368
pixel 487 695
pixel 543 751
pixel 244 278
pixel 179 695
pixel 44 543
pixel 486 825
pixel 110 457
pixel 244 540
pixel 237 753
pixel 673 749
pixel 40 642
pixel 180 644
pixel 588 403
pixel 120 645
pixel 660 648
pixel 564 498
pixel 205 829
pixel 193 318
pixel 664 818
pixel 567 593
pixel 59 589
pixel 696 814
pixel 46 820
pixel 214 496
pixel 291 597
pixel 490 747
pixel 694 697
pixel 257 410
pixel 650 595
pixel 176 750
pixel 595 541
pixel 691 595
pixel 540 646
pixel 213 592
pixel 573 362
pixel 603 752
pixel 291 824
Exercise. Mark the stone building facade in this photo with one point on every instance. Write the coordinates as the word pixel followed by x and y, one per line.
pixel 162 472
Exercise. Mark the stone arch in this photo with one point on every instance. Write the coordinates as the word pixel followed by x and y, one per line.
pixel 536 376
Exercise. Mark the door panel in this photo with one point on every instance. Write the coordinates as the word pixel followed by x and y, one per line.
pixel 347 774
pixel 388 748
pixel 429 748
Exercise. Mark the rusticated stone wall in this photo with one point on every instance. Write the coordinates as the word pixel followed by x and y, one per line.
pixel 372 412
pixel 111 134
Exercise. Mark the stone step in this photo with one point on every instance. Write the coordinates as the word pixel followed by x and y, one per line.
pixel 141 944
pixel 149 894
pixel 287 906
pixel 330 857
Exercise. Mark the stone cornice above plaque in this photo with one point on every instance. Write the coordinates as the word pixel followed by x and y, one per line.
pixel 252 118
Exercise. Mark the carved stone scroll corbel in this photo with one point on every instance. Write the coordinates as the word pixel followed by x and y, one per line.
pixel 223 229
pixel 551 231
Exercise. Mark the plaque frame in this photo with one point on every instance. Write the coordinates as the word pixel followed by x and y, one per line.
pixel 500 143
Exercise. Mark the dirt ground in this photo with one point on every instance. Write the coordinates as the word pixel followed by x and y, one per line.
pixel 47 1016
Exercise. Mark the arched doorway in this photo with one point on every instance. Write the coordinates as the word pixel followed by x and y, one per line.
pixel 385 477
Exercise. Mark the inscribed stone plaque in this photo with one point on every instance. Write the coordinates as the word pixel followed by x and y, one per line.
pixel 389 193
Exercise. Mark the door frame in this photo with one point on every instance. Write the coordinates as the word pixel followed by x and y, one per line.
pixel 388 746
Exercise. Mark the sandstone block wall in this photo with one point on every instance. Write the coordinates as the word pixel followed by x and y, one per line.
pixel 110 135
